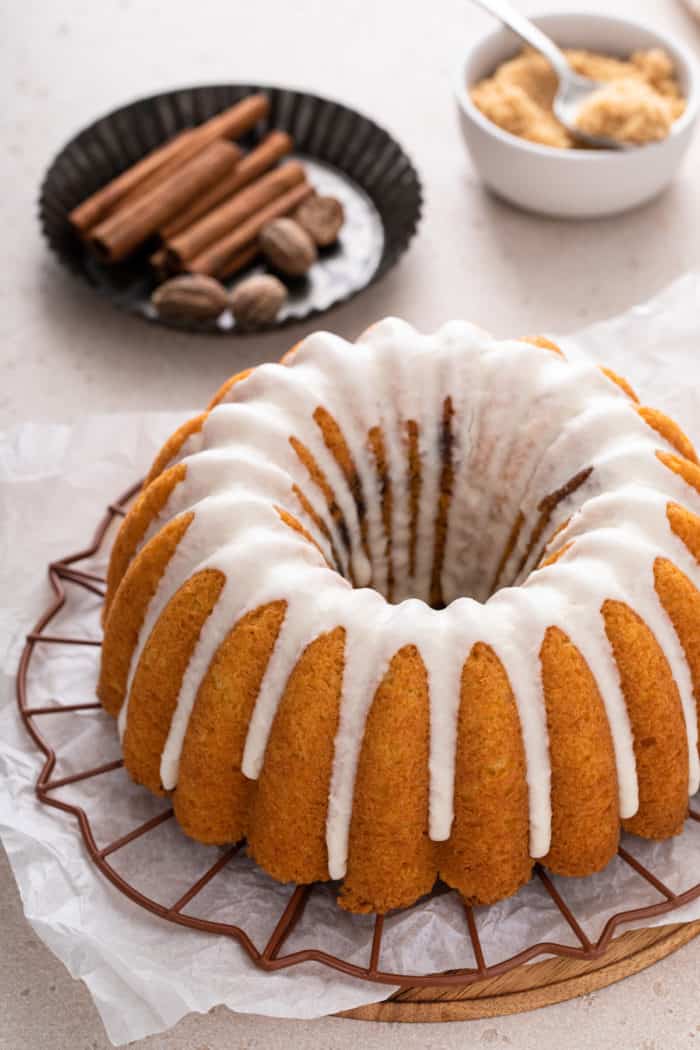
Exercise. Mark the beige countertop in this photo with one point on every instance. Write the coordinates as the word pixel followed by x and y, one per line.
pixel 63 350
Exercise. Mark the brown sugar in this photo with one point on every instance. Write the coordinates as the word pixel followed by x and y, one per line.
pixel 638 103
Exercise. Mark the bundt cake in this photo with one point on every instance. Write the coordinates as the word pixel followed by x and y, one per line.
pixel 417 607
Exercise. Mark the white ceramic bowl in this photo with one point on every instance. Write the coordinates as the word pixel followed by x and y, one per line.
pixel 574 183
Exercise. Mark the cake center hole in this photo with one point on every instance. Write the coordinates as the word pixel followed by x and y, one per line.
pixel 439 510
pixel 428 529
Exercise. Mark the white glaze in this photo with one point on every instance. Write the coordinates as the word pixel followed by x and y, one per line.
pixel 525 423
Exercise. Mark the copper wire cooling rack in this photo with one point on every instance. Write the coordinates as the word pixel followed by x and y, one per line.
pixel 63 574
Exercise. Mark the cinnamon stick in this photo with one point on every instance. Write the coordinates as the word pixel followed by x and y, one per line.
pixel 230 124
pixel 235 120
pixel 159 263
pixel 194 240
pixel 272 148
pixel 219 255
pixel 96 207
pixel 118 235
pixel 192 147
pixel 238 261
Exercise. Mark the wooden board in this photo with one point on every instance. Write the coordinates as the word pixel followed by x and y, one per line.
pixel 532 985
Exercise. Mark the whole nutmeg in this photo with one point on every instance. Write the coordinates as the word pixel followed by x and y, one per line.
pixel 257 300
pixel 321 217
pixel 287 246
pixel 190 297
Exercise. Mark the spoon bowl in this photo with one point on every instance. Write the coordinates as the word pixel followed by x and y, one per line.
pixel 571 95
pixel 573 90
pixel 574 183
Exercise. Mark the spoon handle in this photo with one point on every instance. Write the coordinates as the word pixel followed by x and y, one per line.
pixel 528 32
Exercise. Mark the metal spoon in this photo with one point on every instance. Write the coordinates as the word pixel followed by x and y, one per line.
pixel 573 89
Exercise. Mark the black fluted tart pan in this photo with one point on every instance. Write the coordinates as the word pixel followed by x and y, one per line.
pixel 346 155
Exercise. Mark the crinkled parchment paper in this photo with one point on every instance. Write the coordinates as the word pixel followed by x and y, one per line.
pixel 143 973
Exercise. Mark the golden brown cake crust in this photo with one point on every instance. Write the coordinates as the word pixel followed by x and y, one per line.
pixel 654 707
pixel 375 440
pixel 391 860
pixel 149 503
pixel 128 611
pixel 670 430
pixel 486 857
pixel 287 832
pixel 620 381
pixel 173 446
pixel 682 603
pixel 227 387
pixel 585 814
pixel 213 797
pixel 447 477
pixel 163 663
pixel 687 470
